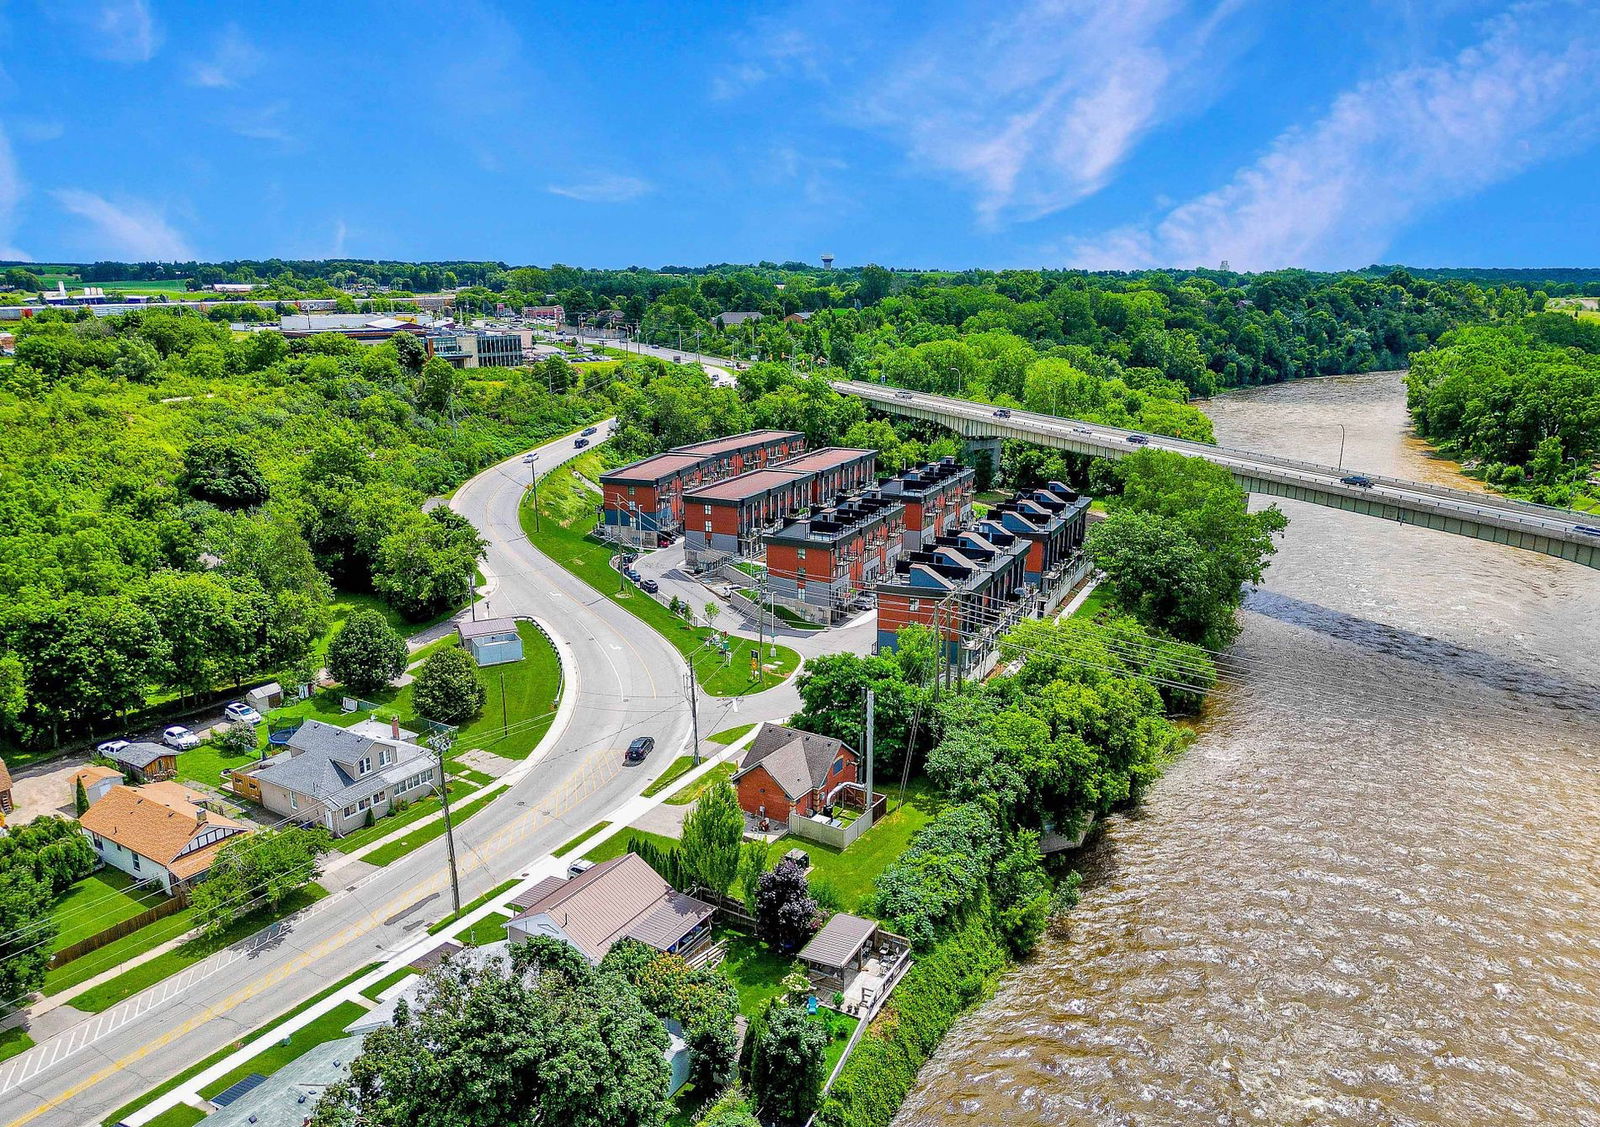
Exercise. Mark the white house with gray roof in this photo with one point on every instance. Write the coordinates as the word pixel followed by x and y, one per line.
pixel 334 776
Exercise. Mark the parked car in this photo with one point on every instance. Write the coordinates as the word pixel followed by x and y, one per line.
pixel 579 867
pixel 241 713
pixel 180 738
pixel 588 430
pixel 1138 439
pixel 649 586
pixel 640 748
pixel 1359 480
pixel 676 359
pixel 1002 412
pixel 581 443
pixel 110 748
pixel 633 576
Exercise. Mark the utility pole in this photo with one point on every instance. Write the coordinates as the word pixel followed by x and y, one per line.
pixel 504 725
pixel 694 709
pixel 532 461
pixel 868 742
pixel 439 743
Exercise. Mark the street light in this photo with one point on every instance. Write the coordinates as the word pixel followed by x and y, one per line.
pixel 1341 444
pixel 533 472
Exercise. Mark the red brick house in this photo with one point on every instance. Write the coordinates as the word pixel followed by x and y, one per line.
pixel 786 770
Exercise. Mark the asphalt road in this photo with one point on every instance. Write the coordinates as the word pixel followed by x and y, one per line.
pixel 624 681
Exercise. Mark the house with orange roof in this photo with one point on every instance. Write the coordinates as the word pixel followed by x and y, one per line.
pixel 97 781
pixel 160 831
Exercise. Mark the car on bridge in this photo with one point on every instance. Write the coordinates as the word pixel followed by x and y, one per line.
pixel 1002 413
pixel 902 394
pixel 580 444
pixel 639 749
pixel 1586 529
pixel 1360 481
pixel 1138 439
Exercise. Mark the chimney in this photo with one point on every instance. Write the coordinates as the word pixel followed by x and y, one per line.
pixel 394 728
pixel 199 815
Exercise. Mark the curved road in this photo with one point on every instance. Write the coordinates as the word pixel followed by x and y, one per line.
pixel 624 680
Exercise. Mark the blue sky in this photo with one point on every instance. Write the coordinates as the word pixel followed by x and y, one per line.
pixel 1073 132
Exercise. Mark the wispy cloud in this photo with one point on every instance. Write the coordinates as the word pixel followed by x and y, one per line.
pixel 1038 108
pixel 770 50
pixel 11 189
pixel 339 233
pixel 235 60
pixel 607 188
pixel 122 31
pixel 1337 192
pixel 131 231
pixel 263 123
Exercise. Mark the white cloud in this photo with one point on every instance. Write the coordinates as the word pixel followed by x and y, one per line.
pixel 339 233
pixel 236 59
pixel 607 188
pixel 771 50
pixel 11 190
pixel 1335 193
pixel 122 31
pixel 130 232
pixel 1039 108
pixel 263 123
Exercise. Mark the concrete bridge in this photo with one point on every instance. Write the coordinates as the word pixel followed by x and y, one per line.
pixel 1536 528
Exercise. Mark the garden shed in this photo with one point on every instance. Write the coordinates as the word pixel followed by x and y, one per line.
pixel 491 641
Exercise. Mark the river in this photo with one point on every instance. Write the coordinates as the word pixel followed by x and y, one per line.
pixel 1370 891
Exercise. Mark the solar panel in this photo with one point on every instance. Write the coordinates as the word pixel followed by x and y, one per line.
pixel 248 1084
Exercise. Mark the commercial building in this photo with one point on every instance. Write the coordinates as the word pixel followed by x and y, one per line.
pixel 623 898
pixel 364 328
pixel 336 777
pixel 478 350
pixel 161 832
pixel 937 497
pixel 824 564
pixel 969 587
pixel 555 314
pixel 644 499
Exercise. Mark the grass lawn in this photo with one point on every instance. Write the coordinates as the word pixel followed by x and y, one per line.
pixel 782 612
pixel 178 1115
pixel 721 773
pixel 185 955
pixel 417 838
pixel 328 1027
pixel 617 845
pixel 14 1041
pixel 754 969
pixel 730 735
pixel 97 902
pixel 853 871
pixel 490 929
pixel 580 839
pixel 566 513
pixel 1099 599
pixel 113 955
pixel 840 1027
pixel 472 905
pixel 529 704
pixel 194 1070
pixel 346 602
pixel 375 991
pixel 680 767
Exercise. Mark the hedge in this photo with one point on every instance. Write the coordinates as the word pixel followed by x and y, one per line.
pixel 951 978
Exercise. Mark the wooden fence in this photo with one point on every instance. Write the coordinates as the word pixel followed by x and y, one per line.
pixel 116 931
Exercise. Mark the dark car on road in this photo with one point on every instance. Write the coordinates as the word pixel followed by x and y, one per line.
pixel 581 443
pixel 640 748
pixel 1359 480
pixel 588 430
pixel 1003 413
pixel 1138 439
pixel 1586 529
pixel 649 586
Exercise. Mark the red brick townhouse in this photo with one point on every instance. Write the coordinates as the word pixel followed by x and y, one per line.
pixel 839 470
pixel 938 498
pixel 969 587
pixel 785 770
pixel 643 499
pixel 730 518
pixel 820 566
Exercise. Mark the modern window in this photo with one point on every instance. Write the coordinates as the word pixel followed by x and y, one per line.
pixel 915 604
pixel 708 526
pixel 383 757
pixel 838 766
pixel 379 797
pixel 349 811
pixel 801 553
pixel 98 844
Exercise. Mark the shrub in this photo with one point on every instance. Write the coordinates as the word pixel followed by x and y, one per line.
pixel 447 688
pixel 366 654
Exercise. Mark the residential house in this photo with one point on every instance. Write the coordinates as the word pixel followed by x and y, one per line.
pixel 285 1097
pixel 145 762
pixel 623 898
pixel 730 518
pixel 336 777
pixel 161 832
pixel 731 318
pixel 97 781
pixel 837 470
pixel 785 770
pixel 491 641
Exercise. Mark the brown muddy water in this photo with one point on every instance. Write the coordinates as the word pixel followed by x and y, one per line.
pixel 1370 891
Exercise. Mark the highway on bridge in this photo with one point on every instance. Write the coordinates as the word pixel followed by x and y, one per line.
pixel 1539 528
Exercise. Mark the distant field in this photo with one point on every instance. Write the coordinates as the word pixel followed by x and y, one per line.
pixel 163 285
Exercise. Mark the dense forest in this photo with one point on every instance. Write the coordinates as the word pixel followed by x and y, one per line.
pixel 1519 402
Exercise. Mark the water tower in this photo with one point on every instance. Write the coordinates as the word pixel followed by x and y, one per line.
pixel 827 262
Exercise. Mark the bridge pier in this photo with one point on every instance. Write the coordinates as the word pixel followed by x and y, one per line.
pixel 988 454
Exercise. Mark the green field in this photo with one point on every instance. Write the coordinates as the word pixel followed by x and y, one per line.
pixel 680 767
pixel 420 837
pixel 617 844
pixel 566 511
pixel 98 901
pixel 14 1041
pixel 115 954
pixel 1099 599
pixel 573 843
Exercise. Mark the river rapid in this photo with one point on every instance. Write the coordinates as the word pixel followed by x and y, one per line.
pixel 1370 891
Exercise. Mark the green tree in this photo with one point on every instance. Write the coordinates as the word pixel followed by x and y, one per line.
pixel 256 871
pixel 712 836
pixel 785 912
pixel 425 565
pixel 27 933
pixel 223 472
pixel 440 385
pixel 447 688
pixel 366 654
pixel 788 1063
pixel 80 798
pixel 704 1002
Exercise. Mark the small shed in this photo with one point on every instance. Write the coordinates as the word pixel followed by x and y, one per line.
pixel 5 788
pixel 265 697
pixel 145 762
pixel 491 641
pixel 97 781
